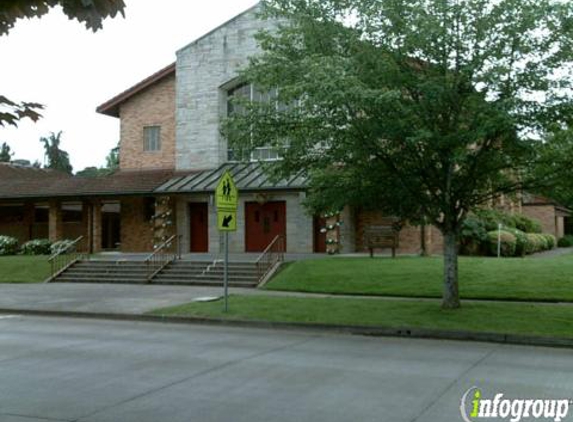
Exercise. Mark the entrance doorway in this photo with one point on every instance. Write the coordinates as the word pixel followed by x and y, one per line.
pixel 199 226
pixel 319 237
pixel 264 222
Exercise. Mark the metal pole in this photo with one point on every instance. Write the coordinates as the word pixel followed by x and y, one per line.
pixel 499 240
pixel 226 280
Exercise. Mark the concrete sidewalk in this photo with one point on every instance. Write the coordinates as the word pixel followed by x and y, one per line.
pixel 126 299
pixel 137 299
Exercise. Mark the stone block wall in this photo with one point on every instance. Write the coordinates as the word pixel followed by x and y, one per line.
pixel 299 225
pixel 155 106
pixel 206 69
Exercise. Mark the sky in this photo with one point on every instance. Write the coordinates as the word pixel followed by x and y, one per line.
pixel 71 70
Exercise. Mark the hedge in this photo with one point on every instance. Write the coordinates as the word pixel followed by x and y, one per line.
pixel 8 245
pixel 36 247
pixel 566 241
pixel 508 243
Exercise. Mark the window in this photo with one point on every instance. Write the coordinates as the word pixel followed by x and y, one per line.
pixel 152 138
pixel 251 93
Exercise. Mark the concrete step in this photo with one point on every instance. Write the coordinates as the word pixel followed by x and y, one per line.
pixel 190 273
pixel 72 279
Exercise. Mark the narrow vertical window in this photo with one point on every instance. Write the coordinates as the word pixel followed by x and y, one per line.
pixel 152 138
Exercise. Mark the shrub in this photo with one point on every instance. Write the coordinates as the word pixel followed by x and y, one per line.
pixel 551 241
pixel 540 242
pixel 59 245
pixel 36 247
pixel 8 245
pixel 565 242
pixel 508 243
pixel 521 242
pixel 473 236
pixel 492 218
pixel 526 224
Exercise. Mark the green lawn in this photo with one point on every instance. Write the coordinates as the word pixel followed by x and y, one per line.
pixel 548 279
pixel 24 269
pixel 513 318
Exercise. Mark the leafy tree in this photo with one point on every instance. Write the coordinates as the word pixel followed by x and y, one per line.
pixel 91 172
pixel 112 159
pixel 89 12
pixel 5 153
pixel 55 157
pixel 112 164
pixel 421 108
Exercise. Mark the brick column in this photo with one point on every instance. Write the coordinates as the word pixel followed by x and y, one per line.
pixel 96 226
pixel 29 218
pixel 55 225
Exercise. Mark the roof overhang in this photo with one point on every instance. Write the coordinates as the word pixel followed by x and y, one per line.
pixel 111 107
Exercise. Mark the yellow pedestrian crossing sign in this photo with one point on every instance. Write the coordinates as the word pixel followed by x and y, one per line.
pixel 227 220
pixel 226 194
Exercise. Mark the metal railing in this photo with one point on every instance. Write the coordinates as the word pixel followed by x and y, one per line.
pixel 162 256
pixel 64 258
pixel 272 255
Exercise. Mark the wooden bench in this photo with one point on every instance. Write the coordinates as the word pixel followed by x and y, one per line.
pixel 381 237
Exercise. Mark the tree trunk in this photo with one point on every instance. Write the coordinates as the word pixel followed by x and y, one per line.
pixel 423 244
pixel 451 299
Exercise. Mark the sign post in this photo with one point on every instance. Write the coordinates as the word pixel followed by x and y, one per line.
pixel 227 199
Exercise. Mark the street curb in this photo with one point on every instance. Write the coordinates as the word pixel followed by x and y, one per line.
pixel 403 332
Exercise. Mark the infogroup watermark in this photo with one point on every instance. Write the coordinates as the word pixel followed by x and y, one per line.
pixel 475 407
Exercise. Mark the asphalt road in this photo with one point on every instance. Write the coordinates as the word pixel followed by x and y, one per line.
pixel 54 369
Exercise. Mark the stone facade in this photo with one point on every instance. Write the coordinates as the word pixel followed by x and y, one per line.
pixel 299 225
pixel 206 69
pixel 155 106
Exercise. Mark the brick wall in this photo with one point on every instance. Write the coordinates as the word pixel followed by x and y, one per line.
pixel 153 106
pixel 136 230
pixel 545 214
pixel 410 239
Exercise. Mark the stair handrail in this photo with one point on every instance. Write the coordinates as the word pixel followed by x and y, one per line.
pixel 62 259
pixel 270 257
pixel 160 258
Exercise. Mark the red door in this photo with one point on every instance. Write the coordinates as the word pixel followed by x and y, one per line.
pixel 264 222
pixel 319 237
pixel 198 212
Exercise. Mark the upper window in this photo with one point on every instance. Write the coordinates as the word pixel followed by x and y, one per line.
pixel 250 93
pixel 152 138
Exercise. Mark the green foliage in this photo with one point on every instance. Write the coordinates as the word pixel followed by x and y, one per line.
pixel 508 243
pixel 521 241
pixel 112 164
pixel 473 236
pixel 60 245
pixel 8 245
pixel 566 241
pixel 56 158
pixel 112 159
pixel 5 153
pixel 492 218
pixel 89 12
pixel 91 172
pixel 36 247
pixel 526 224
pixel 420 105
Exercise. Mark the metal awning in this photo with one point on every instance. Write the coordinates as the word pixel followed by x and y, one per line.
pixel 249 177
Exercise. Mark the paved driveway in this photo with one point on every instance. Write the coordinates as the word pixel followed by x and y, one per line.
pixel 56 369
